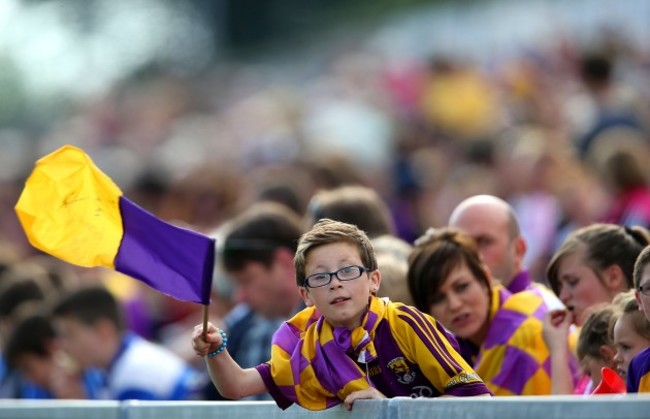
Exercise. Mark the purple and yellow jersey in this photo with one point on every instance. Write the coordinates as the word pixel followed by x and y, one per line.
pixel 513 359
pixel 406 353
pixel 638 373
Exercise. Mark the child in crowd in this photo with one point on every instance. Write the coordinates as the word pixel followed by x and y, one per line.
pixel 638 373
pixel 90 326
pixel 631 332
pixel 33 349
pixel 347 344
pixel 595 344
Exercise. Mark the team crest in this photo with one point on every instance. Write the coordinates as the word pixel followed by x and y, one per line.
pixel 404 374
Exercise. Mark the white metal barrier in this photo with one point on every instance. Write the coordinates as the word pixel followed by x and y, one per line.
pixel 556 407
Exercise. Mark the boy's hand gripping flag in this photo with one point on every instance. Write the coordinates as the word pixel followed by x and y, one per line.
pixel 71 210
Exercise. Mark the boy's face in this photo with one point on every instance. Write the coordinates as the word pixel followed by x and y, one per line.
pixel 47 370
pixel 342 303
pixel 79 340
pixel 642 299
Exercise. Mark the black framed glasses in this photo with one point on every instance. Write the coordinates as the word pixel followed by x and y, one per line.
pixel 644 289
pixel 347 273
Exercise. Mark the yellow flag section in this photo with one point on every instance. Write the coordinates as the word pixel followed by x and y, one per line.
pixel 70 209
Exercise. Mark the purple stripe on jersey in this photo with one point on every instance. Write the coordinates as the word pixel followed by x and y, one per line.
pixel 547 365
pixel 331 402
pixel 541 311
pixel 428 327
pixel 371 319
pixel 502 327
pixel 289 392
pixel 297 362
pixel 333 379
pixel 440 357
pixel 275 392
pixel 517 368
pixel 286 337
pixel 448 355
pixel 469 389
pixel 450 337
pixel 639 369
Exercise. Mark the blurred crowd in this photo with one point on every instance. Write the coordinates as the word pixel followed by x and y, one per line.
pixel 561 133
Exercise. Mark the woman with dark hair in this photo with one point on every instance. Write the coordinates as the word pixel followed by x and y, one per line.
pixel 499 333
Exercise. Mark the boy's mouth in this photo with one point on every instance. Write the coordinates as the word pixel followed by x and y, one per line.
pixel 338 300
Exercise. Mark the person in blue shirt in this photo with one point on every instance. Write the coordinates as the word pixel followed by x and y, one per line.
pixel 33 352
pixel 90 327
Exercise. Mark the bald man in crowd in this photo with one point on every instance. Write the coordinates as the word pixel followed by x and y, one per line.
pixel 491 221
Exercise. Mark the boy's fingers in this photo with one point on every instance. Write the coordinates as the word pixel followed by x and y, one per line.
pixel 349 401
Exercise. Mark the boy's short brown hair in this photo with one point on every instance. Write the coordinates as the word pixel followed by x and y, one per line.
pixel 328 231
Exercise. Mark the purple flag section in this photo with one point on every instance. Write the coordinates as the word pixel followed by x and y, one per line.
pixel 172 260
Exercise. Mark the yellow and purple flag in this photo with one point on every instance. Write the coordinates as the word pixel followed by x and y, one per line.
pixel 71 210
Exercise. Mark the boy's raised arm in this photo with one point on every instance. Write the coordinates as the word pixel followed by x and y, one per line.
pixel 232 381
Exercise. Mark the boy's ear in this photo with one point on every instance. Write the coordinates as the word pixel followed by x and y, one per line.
pixel 375 281
pixel 306 296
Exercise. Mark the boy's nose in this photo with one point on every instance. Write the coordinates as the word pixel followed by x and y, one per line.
pixel 335 282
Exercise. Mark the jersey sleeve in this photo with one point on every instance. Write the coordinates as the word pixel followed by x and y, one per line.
pixel 425 342
pixel 638 375
pixel 265 372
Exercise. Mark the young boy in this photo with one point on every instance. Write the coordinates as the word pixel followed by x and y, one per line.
pixel 638 373
pixel 347 344
pixel 90 327
pixel 32 348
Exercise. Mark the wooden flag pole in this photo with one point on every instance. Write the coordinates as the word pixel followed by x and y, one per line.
pixel 205 322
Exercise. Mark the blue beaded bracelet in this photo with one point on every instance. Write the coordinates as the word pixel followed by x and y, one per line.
pixel 224 344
